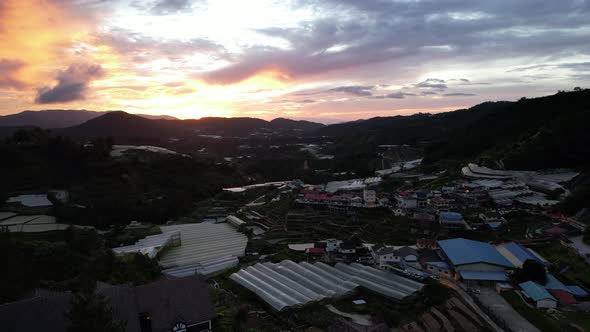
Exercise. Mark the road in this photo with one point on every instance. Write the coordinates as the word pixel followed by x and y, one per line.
pixel 471 303
pixel 497 304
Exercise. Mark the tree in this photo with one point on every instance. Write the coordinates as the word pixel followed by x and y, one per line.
pixel 92 313
pixel 531 271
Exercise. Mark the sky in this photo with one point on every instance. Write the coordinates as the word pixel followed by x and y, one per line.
pixel 322 60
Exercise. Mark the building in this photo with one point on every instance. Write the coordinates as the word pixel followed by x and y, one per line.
pixel 168 305
pixel 439 203
pixel 517 254
pixel 29 204
pixel 369 196
pixel 427 244
pixel 347 247
pixel 407 254
pixel 386 255
pixel 204 249
pixel 563 297
pixel 441 269
pixel 475 262
pixel 451 223
pixel 578 292
pixel 538 295
pixel 406 200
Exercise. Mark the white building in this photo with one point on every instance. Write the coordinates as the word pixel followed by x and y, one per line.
pixel 369 196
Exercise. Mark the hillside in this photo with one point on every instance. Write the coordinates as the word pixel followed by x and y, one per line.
pixel 58 118
pixel 532 133
pixel 124 125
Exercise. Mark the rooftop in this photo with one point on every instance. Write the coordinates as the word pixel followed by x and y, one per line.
pixel 37 200
pixel 517 254
pixel 462 251
pixel 202 242
pixel 484 275
pixel 451 216
pixel 535 291
pixel 288 284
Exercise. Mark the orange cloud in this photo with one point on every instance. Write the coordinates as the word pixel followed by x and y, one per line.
pixel 37 34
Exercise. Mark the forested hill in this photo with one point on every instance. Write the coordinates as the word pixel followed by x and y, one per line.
pixel 534 133
pixel 58 118
pixel 120 125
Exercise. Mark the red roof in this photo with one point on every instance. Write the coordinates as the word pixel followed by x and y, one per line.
pixel 315 196
pixel 563 296
pixel 556 230
pixel 425 243
pixel 315 251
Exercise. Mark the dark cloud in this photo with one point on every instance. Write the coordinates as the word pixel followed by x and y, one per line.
pixel 427 93
pixel 165 7
pixel 576 66
pixel 142 48
pixel 404 33
pixel 8 69
pixel 432 83
pixel 72 84
pixel 355 90
pixel 459 94
pixel 399 95
pixel 306 101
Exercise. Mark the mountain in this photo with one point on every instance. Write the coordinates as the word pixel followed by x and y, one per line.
pixel 531 133
pixel 121 124
pixel 288 124
pixel 58 118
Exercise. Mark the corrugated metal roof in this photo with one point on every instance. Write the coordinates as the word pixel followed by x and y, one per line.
pixel 451 216
pixel 564 297
pixel 288 284
pixel 553 283
pixel 517 254
pixel 462 251
pixel 150 245
pixel 484 275
pixel 577 291
pixel 202 242
pixel 535 291
pixel 205 268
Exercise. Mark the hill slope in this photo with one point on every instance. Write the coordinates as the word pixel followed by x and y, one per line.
pixel 541 132
pixel 58 118
pixel 121 124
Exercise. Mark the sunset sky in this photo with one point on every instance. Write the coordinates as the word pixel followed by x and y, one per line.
pixel 330 60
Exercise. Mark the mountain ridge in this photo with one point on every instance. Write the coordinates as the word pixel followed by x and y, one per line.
pixel 59 118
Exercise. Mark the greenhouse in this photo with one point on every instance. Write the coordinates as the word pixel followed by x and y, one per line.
pixel 290 285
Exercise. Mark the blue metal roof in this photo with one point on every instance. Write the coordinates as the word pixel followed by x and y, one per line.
pixel 520 252
pixel 535 291
pixel 577 291
pixel 462 251
pixel 451 216
pixel 553 283
pixel 484 275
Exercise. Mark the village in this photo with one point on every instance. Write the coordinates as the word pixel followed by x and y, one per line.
pixel 488 239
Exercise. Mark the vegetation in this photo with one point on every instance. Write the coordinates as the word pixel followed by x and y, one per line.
pixel 147 187
pixel 68 260
pixel 91 312
pixel 528 134
pixel 574 267
pixel 555 322
pixel 531 271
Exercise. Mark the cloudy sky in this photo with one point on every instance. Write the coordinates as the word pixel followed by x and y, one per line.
pixel 328 60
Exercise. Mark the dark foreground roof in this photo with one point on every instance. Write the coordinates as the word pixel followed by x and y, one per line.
pixel 184 300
